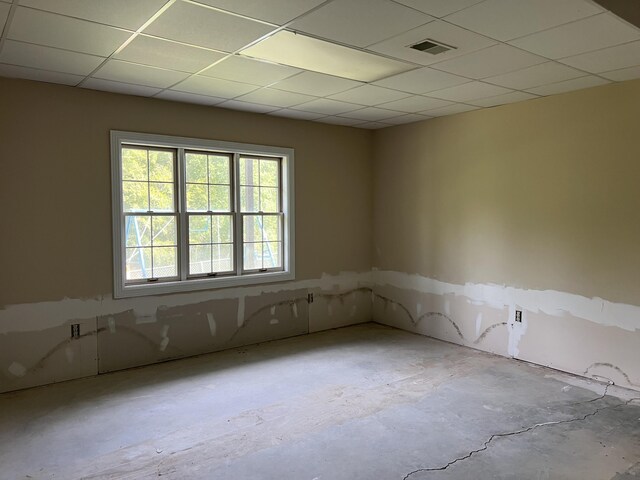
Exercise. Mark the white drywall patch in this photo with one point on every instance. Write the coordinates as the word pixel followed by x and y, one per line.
pixel 478 324
pixel 213 326
pixel 165 339
pixel 17 370
pixel 294 308
pixel 516 330
pixel 274 321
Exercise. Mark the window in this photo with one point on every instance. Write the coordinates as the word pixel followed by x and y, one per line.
pixel 194 214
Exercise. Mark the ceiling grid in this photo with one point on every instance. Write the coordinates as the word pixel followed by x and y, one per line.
pixel 345 62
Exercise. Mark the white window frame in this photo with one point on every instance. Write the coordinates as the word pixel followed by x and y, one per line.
pixel 185 284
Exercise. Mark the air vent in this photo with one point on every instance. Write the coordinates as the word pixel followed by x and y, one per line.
pixel 432 47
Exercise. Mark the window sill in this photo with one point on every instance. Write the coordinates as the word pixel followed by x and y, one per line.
pixel 200 284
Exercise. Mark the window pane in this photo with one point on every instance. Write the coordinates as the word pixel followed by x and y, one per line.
pixel 196 165
pixel 222 258
pixel 138 231
pixel 252 228
pixel 161 197
pixel 164 231
pixel 252 256
pixel 199 229
pixel 221 229
pixel 197 198
pixel 219 198
pixel 271 255
pixel 199 259
pixel 268 199
pixel 249 171
pixel 134 164
pixel 164 262
pixel 218 169
pixel 249 199
pixel 138 263
pixel 269 173
pixel 135 196
pixel 271 228
pixel 160 166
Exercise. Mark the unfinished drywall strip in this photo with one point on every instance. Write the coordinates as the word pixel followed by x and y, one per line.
pixel 550 302
pixel 588 337
pixel 36 316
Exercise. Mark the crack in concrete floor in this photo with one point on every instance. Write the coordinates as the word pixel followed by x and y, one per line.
pixel 486 444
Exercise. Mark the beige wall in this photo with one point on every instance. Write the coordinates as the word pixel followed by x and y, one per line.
pixel 543 194
pixel 55 184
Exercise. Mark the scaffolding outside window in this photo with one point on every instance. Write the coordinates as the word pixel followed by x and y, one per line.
pixel 197 214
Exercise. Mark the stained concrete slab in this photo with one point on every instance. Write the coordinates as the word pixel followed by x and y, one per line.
pixel 362 402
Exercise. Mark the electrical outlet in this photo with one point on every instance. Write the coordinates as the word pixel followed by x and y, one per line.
pixel 310 298
pixel 519 316
pixel 75 330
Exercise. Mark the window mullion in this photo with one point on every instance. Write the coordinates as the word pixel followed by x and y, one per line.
pixel 183 246
pixel 237 216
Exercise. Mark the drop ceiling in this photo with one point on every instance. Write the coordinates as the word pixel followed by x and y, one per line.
pixel 344 62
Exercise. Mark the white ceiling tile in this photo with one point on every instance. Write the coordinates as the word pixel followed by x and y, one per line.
pixel 463 40
pixel 242 69
pixel 214 87
pixel 317 84
pixel 276 98
pixel 450 110
pixel 372 125
pixel 125 72
pixel 502 99
pixel 360 22
pixel 298 114
pixel 422 80
pixel 117 87
pixel 599 31
pixel 369 95
pixel 13 71
pixel 54 30
pixel 568 85
pixel 327 106
pixel 415 103
pixel 4 13
pixel 167 54
pixel 613 58
pixel 372 114
pixel 406 119
pixel 623 74
pixel 205 27
pixel 508 19
pixel 438 8
pixel 189 98
pixel 47 58
pixel 536 75
pixel 469 91
pixel 247 106
pixel 489 62
pixel 275 11
pixel 120 13
pixel 349 122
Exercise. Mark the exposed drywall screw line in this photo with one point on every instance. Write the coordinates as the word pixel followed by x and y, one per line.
pixel 485 445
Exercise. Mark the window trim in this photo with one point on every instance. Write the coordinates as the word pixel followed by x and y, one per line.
pixel 122 290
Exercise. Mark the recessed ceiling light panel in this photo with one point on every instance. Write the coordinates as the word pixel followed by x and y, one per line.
pixel 310 53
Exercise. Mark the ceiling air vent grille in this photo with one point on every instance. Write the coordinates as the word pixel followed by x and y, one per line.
pixel 432 47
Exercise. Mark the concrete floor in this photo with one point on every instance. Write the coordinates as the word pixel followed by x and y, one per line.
pixel 364 402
